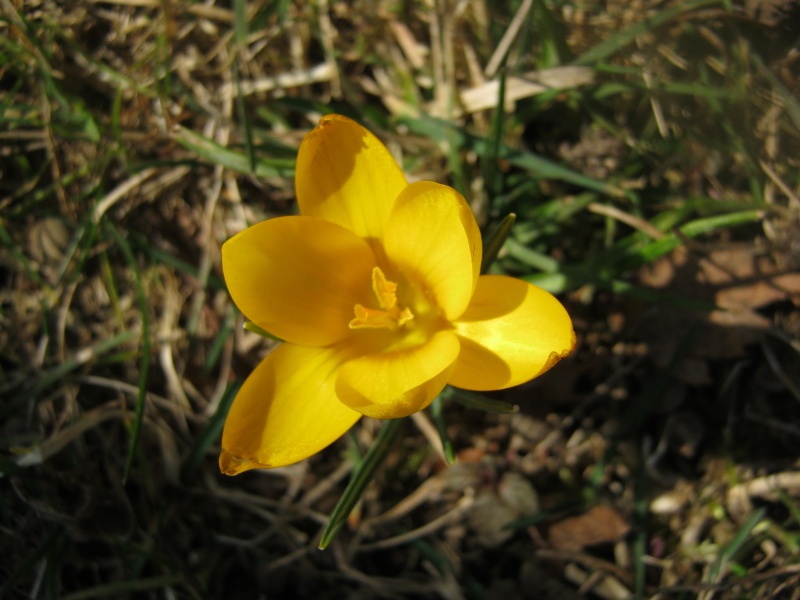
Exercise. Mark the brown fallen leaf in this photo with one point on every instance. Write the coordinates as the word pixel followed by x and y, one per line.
pixel 599 525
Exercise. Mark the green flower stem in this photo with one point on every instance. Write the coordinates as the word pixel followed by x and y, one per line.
pixel 362 477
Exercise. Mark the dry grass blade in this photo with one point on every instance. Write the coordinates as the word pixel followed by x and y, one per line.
pixel 57 442
pixel 526 85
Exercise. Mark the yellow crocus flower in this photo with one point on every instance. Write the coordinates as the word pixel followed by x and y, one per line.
pixel 376 290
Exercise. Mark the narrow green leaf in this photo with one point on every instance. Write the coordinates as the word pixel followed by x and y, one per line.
pixel 362 476
pixel 253 328
pixel 242 110
pixel 734 546
pixel 555 283
pixel 531 258
pixel 492 177
pixel 658 248
pixel 143 244
pixel 495 240
pixel 209 435
pixel 552 34
pixel 456 166
pixel 219 342
pixel 144 362
pixel 219 155
pixel 60 370
pixel 473 400
pixel 19 256
pixel 437 412
pixel 541 168
pixel 240 21
pixel 790 102
pixel 616 42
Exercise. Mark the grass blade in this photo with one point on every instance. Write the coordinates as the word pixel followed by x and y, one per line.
pixel 495 241
pixel 437 412
pixel 615 43
pixel 492 177
pixel 541 168
pixel 362 477
pixel 209 435
pixel 144 363
pixel 477 401
pixel 253 328
pixel 734 546
pixel 219 155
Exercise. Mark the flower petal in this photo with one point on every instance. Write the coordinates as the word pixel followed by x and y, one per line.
pixel 286 411
pixel 512 332
pixel 433 239
pixel 298 277
pixel 344 174
pixel 394 384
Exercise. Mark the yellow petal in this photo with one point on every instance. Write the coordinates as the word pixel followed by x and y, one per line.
pixel 286 411
pixel 344 174
pixel 298 277
pixel 512 332
pixel 433 239
pixel 394 384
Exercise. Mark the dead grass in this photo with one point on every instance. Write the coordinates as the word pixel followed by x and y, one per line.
pixel 650 152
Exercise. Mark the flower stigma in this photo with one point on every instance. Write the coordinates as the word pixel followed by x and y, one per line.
pixel 390 315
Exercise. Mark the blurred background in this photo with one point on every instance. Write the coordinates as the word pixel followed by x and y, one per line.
pixel 650 152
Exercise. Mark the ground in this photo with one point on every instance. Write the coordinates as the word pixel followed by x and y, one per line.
pixel 650 154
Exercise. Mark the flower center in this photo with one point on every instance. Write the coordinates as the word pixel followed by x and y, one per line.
pixel 390 315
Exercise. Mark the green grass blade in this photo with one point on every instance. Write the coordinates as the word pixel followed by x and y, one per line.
pixel 531 258
pixel 144 362
pixel 437 413
pixel 495 241
pixel 54 375
pixel 240 21
pixel 209 435
pixel 362 477
pixel 219 155
pixel 219 341
pixel 143 244
pixel 248 131
pixel 735 545
pixel 552 34
pixel 253 328
pixel 540 168
pixel 480 402
pixel 492 177
pixel 671 241
pixel 616 42
pixel 790 102
pixel 19 256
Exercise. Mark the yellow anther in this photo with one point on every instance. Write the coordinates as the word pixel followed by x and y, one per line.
pixel 390 315
pixel 385 290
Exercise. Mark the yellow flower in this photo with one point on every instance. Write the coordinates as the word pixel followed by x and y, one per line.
pixel 377 293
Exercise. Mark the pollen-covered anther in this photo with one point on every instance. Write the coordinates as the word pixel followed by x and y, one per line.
pixel 390 315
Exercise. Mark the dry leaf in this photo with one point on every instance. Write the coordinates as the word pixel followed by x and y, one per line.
pixel 599 525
